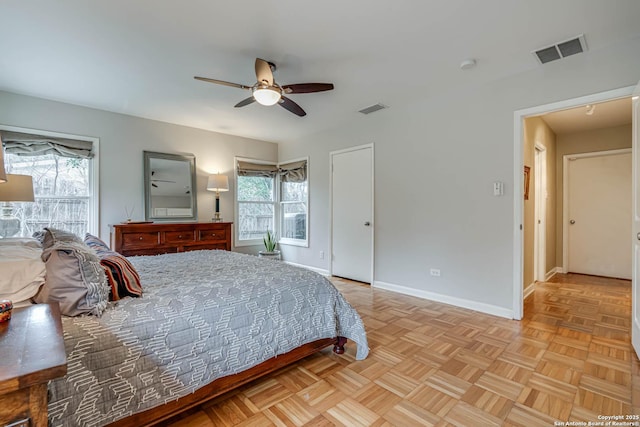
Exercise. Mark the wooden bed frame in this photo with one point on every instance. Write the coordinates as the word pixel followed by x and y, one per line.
pixel 222 385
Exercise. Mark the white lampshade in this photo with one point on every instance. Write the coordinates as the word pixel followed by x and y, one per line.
pixel 266 96
pixel 18 188
pixel 3 173
pixel 218 182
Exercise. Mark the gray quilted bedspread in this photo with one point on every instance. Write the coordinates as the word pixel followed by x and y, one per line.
pixel 203 315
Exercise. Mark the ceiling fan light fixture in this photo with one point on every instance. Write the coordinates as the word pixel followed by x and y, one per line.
pixel 267 95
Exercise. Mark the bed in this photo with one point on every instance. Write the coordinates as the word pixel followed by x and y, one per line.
pixel 208 321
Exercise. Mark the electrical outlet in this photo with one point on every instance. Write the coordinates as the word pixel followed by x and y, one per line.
pixel 321 254
pixel 435 272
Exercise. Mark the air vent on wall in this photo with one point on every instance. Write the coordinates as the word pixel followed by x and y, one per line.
pixel 561 50
pixel 373 108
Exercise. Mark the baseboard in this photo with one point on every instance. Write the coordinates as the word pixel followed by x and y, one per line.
pixel 446 299
pixel 529 290
pixel 308 267
pixel 552 273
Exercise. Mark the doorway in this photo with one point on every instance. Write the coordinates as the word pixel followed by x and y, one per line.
pixel 518 237
pixel 352 244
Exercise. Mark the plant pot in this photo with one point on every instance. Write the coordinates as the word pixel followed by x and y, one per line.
pixel 270 255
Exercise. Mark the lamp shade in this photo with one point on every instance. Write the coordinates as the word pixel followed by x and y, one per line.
pixel 3 174
pixel 18 188
pixel 266 96
pixel 218 182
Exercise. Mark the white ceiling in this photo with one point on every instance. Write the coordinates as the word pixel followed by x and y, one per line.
pixel 139 57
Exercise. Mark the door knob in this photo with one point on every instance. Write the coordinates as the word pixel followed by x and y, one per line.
pixel 367 223
pixel 638 236
pixel 572 222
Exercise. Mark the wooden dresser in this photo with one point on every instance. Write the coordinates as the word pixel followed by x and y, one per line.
pixel 31 353
pixel 162 238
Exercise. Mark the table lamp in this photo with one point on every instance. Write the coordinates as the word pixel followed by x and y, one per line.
pixel 218 183
pixel 18 188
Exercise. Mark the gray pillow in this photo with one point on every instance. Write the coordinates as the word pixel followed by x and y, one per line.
pixel 75 279
pixel 49 236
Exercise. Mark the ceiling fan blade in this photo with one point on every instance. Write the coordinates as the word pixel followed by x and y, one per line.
pixel 288 104
pixel 307 87
pixel 247 101
pixel 222 82
pixel 263 71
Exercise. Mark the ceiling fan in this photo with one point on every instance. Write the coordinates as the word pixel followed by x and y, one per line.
pixel 153 181
pixel 267 92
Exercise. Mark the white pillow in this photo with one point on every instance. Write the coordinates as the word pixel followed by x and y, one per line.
pixel 22 272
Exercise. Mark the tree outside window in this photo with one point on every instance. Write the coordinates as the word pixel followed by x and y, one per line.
pixel 62 192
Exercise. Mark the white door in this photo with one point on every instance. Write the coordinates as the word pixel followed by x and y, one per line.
pixel 599 214
pixel 635 289
pixel 352 213
pixel 540 245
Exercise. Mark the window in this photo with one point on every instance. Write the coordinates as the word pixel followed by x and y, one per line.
pixel 63 182
pixel 256 197
pixel 294 202
pixel 272 197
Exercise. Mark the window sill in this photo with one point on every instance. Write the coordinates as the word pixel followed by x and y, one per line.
pixel 293 242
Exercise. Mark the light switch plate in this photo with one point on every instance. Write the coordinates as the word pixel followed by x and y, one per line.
pixel 498 188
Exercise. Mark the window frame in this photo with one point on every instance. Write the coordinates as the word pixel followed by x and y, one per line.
pixel 285 240
pixel 276 196
pixel 93 220
pixel 277 206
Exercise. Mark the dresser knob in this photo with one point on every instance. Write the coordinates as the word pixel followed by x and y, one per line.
pixel 213 234
pixel 180 236
pixel 140 238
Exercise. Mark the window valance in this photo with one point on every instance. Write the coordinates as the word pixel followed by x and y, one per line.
pixel 25 144
pixel 256 169
pixel 294 171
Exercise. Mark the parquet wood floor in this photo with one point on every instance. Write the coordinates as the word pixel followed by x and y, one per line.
pixel 431 364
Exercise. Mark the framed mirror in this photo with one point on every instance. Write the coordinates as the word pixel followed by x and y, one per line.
pixel 169 187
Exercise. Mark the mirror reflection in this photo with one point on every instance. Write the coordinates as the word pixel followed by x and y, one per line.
pixel 169 187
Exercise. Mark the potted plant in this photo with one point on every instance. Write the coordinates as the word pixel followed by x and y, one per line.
pixel 270 242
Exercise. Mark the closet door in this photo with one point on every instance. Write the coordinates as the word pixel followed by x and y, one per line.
pixel 352 213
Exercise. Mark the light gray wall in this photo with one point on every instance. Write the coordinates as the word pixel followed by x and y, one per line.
pixel 435 161
pixel 122 140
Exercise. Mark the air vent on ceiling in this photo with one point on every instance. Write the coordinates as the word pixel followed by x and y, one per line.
pixel 373 108
pixel 561 50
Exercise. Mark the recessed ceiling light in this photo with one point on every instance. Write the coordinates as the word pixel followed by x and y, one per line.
pixel 468 64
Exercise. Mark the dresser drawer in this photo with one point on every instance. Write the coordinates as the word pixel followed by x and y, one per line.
pixel 141 240
pixel 213 234
pixel 179 236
